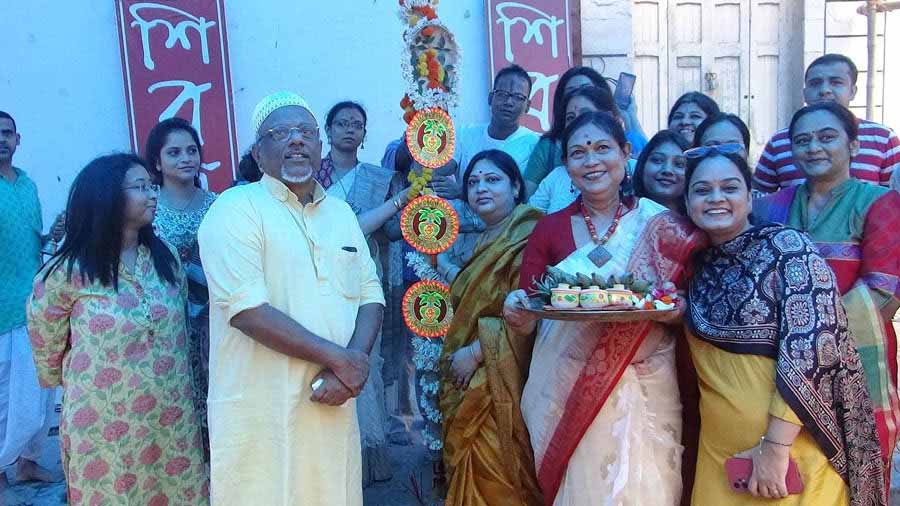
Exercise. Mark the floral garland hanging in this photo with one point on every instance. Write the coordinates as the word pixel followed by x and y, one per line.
pixel 430 61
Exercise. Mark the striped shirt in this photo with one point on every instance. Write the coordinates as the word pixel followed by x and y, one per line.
pixel 879 154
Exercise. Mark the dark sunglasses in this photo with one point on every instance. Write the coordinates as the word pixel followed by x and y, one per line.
pixel 728 148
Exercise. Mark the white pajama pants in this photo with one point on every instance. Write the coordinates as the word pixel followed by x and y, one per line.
pixel 26 409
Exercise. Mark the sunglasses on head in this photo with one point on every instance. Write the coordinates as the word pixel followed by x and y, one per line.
pixel 722 149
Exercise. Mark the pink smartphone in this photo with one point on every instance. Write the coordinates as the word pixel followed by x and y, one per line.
pixel 739 470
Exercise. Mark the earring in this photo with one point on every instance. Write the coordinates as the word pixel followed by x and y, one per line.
pixel 572 188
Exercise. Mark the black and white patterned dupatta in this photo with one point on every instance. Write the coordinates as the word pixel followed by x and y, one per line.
pixel 768 292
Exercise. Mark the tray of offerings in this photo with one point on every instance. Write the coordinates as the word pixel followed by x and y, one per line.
pixel 615 299
pixel 610 313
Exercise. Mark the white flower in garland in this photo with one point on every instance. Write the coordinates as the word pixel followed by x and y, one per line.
pixel 449 56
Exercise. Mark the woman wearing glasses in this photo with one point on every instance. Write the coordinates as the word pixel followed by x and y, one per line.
pixel 366 188
pixel 107 322
pixel 780 378
pixel 174 154
pixel 601 401
pixel 854 225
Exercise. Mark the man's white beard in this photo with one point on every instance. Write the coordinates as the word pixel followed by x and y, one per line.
pixel 290 176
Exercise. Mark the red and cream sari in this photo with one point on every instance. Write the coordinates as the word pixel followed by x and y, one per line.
pixel 605 430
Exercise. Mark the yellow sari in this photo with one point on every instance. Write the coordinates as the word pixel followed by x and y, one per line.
pixel 487 451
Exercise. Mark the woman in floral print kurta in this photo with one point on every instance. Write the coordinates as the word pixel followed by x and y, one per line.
pixel 129 429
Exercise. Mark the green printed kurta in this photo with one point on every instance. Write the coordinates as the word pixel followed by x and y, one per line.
pixel 129 430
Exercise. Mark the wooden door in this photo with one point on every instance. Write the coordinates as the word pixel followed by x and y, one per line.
pixel 776 84
pixel 651 62
pixel 709 51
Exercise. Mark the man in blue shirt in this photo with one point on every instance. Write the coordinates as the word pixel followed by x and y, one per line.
pixel 26 409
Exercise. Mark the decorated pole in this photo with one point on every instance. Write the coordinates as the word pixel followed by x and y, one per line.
pixel 428 222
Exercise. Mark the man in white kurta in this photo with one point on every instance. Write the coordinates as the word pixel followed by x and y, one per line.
pixel 296 305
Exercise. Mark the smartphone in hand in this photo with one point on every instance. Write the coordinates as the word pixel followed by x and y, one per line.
pixel 624 90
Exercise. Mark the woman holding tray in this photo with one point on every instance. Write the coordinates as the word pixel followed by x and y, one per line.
pixel 486 448
pixel 780 376
pixel 601 402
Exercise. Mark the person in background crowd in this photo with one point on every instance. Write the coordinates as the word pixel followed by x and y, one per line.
pixel 173 155
pixel 248 171
pixel 296 307
pixel 556 190
pixel 580 77
pixel 487 452
pixel 830 78
pixel 724 128
pixel 780 377
pixel 547 155
pixel 659 175
pixel 601 402
pixel 508 102
pixel 895 181
pixel 366 188
pixel 689 111
pixel 26 409
pixel 854 224
pixel 107 321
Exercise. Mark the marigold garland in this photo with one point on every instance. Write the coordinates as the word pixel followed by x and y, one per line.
pixel 419 182
pixel 431 59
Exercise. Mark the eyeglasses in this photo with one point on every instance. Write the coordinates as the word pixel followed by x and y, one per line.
pixel 503 95
pixel 145 188
pixel 728 148
pixel 347 125
pixel 283 133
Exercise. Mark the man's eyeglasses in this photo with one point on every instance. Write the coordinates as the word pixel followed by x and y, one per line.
pixel 728 148
pixel 347 125
pixel 503 95
pixel 145 188
pixel 283 133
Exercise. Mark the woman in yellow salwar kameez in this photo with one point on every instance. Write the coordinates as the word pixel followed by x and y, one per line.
pixel 779 374
pixel 487 452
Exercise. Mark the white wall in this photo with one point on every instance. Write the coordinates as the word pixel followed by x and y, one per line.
pixel 606 36
pixel 61 74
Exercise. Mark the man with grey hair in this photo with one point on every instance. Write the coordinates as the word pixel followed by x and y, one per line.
pixel 295 307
